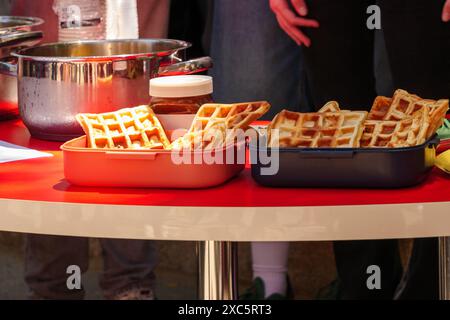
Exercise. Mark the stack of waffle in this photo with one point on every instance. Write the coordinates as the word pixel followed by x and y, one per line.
pixel 402 121
pixel 429 114
pixel 134 128
pixel 405 120
pixel 393 134
pixel 317 130
pixel 215 125
pixel 139 128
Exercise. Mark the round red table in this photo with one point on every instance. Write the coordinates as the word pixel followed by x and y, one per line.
pixel 35 198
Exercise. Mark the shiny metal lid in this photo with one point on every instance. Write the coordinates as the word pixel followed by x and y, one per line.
pixel 19 38
pixel 11 24
pixel 16 33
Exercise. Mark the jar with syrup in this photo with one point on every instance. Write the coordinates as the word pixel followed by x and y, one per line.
pixel 180 94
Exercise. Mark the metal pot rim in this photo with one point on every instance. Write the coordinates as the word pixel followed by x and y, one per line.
pixel 179 45
pixel 22 22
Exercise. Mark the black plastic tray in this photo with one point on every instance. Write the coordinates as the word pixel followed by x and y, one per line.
pixel 346 168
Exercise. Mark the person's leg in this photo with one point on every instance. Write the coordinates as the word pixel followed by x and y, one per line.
pixel 254 59
pixel 340 66
pixel 270 263
pixel 352 261
pixel 46 261
pixel 339 63
pixel 421 279
pixel 128 269
pixel 418 50
pixel 5 7
pixel 418 45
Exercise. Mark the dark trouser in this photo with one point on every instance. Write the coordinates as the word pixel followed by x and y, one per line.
pixel 339 66
pixel 420 280
pixel 127 264
pixel 354 257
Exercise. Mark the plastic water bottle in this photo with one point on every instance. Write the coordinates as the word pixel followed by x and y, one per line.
pixel 122 19
pixel 81 19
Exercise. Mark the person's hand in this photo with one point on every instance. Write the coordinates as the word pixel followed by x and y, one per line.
pixel 291 21
pixel 446 11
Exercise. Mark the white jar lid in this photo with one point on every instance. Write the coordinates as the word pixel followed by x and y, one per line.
pixel 181 86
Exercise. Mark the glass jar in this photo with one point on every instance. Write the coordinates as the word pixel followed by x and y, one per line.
pixel 180 94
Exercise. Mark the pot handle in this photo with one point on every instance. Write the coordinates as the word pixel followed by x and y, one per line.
pixel 8 66
pixel 186 67
pixel 21 39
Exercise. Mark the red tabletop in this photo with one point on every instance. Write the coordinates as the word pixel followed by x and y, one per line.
pixel 43 180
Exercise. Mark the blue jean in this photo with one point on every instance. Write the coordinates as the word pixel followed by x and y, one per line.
pixel 127 264
pixel 254 59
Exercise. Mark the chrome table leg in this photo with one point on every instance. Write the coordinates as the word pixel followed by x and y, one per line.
pixel 217 270
pixel 444 268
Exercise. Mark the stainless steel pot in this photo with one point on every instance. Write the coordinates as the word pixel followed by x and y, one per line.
pixel 58 81
pixel 10 24
pixel 15 34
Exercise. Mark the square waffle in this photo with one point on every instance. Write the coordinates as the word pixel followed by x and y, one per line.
pixel 316 130
pixel 381 108
pixel 214 124
pixel 133 128
pixel 331 106
pixel 232 116
pixel 393 134
pixel 405 105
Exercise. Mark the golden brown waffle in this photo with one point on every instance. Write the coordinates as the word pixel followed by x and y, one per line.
pixel 331 106
pixel 134 128
pixel 405 105
pixel 402 106
pixel 215 124
pixel 393 134
pixel 317 130
pixel 234 116
pixel 435 116
pixel 380 108
pixel 214 137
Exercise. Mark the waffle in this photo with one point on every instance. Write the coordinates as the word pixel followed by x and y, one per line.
pixel 215 124
pixel 405 105
pixel 393 134
pixel 316 130
pixel 435 116
pixel 380 108
pixel 134 128
pixel 331 106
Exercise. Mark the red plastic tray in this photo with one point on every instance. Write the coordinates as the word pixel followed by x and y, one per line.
pixel 143 168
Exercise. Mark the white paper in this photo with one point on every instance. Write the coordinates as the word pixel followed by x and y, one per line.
pixel 10 152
